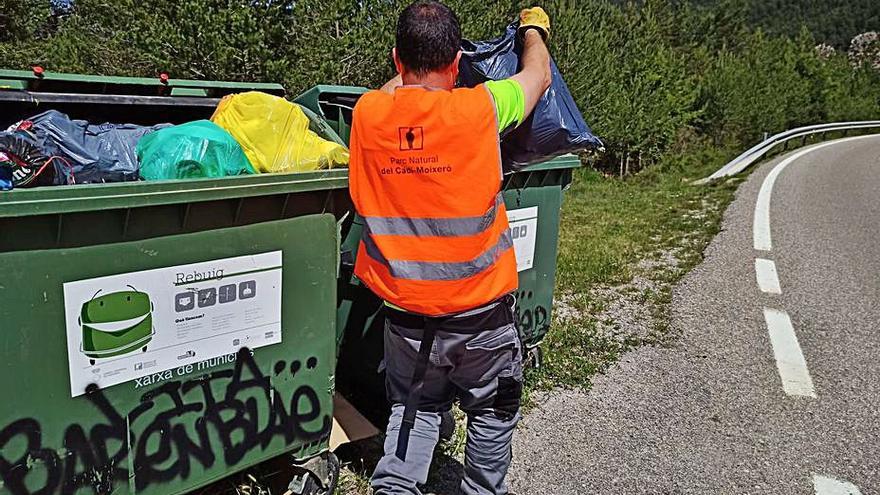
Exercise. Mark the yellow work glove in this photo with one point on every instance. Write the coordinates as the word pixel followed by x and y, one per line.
pixel 534 18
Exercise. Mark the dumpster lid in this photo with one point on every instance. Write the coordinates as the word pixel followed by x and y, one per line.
pixel 162 85
pixel 560 162
pixel 120 195
pixel 135 100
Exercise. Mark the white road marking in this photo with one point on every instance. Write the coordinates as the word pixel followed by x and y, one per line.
pixel 761 224
pixel 789 358
pixel 830 486
pixel 768 279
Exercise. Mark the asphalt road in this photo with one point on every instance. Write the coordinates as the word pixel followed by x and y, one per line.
pixel 717 412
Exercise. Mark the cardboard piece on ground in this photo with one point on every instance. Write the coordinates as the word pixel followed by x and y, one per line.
pixel 348 424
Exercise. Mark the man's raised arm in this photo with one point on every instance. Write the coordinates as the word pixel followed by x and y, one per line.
pixel 534 77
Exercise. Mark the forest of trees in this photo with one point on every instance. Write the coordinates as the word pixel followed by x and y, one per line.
pixel 650 78
pixel 834 22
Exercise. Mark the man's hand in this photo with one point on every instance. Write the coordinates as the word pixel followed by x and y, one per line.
pixel 534 18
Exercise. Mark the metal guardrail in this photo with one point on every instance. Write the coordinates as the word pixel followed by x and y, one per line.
pixel 755 153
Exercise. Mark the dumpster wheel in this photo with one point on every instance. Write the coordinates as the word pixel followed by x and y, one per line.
pixel 316 476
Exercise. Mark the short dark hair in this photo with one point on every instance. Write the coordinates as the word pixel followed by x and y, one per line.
pixel 428 36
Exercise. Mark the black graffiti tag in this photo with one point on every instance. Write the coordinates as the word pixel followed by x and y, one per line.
pixel 177 436
pixel 531 320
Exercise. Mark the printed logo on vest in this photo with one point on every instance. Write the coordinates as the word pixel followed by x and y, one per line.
pixel 411 138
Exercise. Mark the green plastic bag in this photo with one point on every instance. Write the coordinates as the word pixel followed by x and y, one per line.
pixel 195 149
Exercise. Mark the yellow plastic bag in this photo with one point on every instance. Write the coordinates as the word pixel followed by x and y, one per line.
pixel 275 135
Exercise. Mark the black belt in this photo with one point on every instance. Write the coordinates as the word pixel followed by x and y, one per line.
pixel 496 317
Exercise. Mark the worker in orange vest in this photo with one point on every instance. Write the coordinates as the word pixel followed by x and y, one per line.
pixel 425 177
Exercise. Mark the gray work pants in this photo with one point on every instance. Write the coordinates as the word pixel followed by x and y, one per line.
pixel 484 371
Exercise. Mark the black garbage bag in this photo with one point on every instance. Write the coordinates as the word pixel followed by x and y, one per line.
pixel 556 127
pixel 94 152
pixel 24 164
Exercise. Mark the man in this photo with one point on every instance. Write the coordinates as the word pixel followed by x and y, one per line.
pixel 425 177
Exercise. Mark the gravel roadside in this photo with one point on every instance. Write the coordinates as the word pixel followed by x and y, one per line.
pixel 652 423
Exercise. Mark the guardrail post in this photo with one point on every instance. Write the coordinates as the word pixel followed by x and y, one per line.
pixel 845 132
pixel 804 139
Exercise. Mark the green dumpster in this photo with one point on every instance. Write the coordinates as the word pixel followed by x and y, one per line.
pixel 334 104
pixel 158 336
pixel 533 198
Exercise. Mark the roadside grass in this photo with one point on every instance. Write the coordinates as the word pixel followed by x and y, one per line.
pixel 353 482
pixel 609 226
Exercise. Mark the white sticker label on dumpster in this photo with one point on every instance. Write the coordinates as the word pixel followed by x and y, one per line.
pixel 152 325
pixel 524 230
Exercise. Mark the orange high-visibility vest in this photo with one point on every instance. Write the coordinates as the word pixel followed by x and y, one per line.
pixel 425 176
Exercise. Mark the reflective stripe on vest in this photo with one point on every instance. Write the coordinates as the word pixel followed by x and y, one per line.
pixel 430 270
pixel 438 227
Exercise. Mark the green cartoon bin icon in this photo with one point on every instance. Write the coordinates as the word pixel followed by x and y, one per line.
pixel 115 324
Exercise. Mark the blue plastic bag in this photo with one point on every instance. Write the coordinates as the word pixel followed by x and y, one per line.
pixel 6 168
pixel 556 127
pixel 96 152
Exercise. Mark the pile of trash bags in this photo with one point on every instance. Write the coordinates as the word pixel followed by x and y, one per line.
pixel 249 133
pixel 256 133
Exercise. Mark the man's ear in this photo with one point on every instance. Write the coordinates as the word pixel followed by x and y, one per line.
pixel 397 62
pixel 454 67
